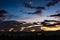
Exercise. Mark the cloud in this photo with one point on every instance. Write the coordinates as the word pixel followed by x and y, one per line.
pixel 28 5
pixel 38 8
pixel 4 15
pixel 36 12
pixel 53 3
pixel 2 12
pixel 56 15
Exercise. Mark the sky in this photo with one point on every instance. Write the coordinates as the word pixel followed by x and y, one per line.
pixel 16 7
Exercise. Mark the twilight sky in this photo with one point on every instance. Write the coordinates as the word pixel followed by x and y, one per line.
pixel 16 7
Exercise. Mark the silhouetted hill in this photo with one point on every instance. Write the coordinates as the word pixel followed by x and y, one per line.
pixel 9 24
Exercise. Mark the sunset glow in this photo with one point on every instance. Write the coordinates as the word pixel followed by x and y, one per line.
pixel 50 28
pixel 29 15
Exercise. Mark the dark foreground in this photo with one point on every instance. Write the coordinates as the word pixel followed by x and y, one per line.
pixel 30 35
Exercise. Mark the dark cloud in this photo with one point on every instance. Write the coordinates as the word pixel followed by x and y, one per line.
pixel 38 8
pixel 2 12
pixel 53 3
pixel 56 15
pixel 36 12
pixel 28 5
pixel 4 15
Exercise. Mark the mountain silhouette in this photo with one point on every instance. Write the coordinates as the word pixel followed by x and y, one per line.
pixel 9 24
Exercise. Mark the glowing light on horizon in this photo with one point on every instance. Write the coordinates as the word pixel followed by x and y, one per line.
pixel 22 28
pixel 11 29
pixel 50 28
pixel 33 30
